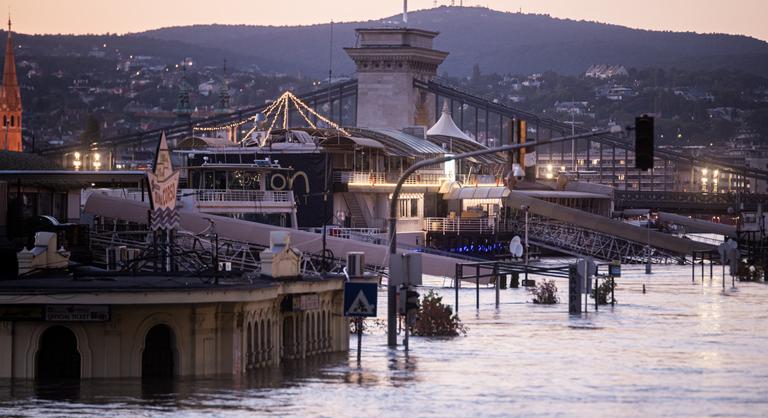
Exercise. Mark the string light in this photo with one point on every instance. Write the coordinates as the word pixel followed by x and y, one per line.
pixel 224 127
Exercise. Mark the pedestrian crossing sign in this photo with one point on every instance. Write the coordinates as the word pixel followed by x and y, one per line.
pixel 360 299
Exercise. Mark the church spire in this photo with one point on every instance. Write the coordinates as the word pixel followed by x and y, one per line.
pixel 10 99
pixel 10 82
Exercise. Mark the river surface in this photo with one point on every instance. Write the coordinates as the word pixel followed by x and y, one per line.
pixel 677 350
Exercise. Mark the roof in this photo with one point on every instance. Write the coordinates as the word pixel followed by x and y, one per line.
pixel 10 160
pixel 196 142
pixel 73 179
pixel 399 143
pixel 479 192
pixel 453 145
pixel 445 126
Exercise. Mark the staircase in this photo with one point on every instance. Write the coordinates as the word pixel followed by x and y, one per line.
pixel 355 211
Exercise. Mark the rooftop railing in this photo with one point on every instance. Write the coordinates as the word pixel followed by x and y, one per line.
pixel 426 178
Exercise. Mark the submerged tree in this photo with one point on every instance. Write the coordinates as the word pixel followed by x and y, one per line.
pixel 436 319
pixel 545 293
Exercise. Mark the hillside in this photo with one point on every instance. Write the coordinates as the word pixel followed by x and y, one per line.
pixel 498 41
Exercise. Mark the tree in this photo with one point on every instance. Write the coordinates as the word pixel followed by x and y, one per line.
pixel 92 132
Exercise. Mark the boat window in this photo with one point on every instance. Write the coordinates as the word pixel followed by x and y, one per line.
pixel 208 180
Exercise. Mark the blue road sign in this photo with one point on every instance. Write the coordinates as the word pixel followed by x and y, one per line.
pixel 360 299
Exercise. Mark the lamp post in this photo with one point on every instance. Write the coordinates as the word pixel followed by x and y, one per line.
pixel 392 290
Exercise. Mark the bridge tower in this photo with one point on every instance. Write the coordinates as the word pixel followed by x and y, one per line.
pixel 388 60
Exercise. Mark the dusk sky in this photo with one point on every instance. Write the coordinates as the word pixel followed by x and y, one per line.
pixel 746 17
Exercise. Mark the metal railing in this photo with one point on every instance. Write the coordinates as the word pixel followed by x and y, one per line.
pixel 371 235
pixel 469 225
pixel 427 178
pixel 243 196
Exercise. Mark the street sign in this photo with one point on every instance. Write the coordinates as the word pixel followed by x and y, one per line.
pixel 614 269
pixel 360 299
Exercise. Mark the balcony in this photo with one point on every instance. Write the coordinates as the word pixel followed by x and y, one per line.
pixel 240 201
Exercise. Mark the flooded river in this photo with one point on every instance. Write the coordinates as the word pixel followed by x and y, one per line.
pixel 677 350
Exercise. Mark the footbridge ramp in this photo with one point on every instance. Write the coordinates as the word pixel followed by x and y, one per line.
pixel 376 256
pixel 698 225
pixel 580 233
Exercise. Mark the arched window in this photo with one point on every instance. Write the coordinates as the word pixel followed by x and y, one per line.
pixel 157 359
pixel 57 357
pixel 5 120
pixel 12 121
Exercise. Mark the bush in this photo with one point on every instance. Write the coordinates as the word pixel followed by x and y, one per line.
pixel 436 319
pixel 545 293
pixel 604 292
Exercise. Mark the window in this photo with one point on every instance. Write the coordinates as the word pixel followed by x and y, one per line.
pixel 408 208
pixel 12 118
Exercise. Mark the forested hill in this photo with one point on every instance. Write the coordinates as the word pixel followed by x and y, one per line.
pixel 498 41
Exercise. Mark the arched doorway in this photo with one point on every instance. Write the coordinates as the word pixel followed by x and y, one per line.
pixel 157 359
pixel 57 355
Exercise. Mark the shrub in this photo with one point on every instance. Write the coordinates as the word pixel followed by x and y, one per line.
pixel 435 319
pixel 604 292
pixel 545 293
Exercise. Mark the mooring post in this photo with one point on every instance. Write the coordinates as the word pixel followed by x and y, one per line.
pixel 496 280
pixel 477 287
pixel 456 283
pixel 595 285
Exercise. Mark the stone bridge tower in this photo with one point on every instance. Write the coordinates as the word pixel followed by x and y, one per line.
pixel 388 60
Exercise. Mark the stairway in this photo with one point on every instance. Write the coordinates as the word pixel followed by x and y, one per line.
pixel 355 211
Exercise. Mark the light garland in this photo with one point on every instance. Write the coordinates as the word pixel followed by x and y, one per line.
pixel 224 127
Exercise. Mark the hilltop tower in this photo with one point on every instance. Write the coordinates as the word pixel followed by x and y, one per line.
pixel 10 101
pixel 388 60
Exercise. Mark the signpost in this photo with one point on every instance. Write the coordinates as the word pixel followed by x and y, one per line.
pixel 360 302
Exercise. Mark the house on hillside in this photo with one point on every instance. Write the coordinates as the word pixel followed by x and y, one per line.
pixel 694 94
pixel 603 71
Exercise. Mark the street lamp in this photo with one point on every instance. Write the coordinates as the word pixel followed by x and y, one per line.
pixel 392 232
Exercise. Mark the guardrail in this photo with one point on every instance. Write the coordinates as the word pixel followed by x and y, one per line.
pixel 243 196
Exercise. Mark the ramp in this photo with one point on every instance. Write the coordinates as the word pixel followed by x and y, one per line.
pixel 698 225
pixel 581 233
pixel 258 234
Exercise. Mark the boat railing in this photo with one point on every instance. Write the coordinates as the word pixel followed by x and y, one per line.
pixel 214 195
pixel 428 178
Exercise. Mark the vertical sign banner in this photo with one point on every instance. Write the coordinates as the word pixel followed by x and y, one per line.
pixel 163 185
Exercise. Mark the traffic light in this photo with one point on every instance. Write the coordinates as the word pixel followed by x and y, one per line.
pixel 644 137
pixel 409 300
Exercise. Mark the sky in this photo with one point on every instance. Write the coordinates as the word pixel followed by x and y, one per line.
pixel 742 17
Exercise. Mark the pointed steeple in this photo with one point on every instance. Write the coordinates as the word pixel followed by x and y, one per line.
pixel 10 82
pixel 10 100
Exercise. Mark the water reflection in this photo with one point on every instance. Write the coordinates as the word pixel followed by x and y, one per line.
pixel 677 350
